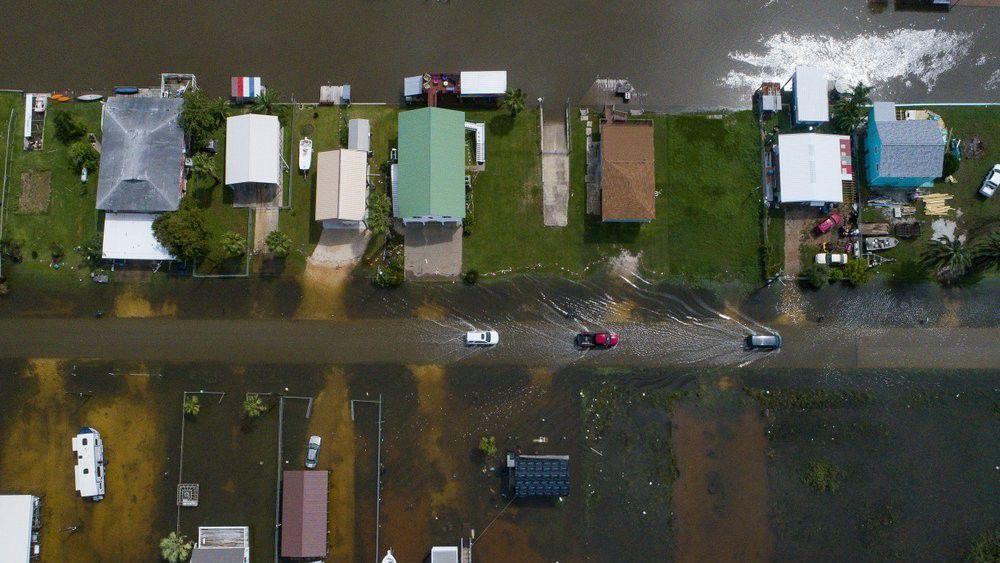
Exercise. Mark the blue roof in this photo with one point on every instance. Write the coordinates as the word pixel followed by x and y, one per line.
pixel 911 149
pixel 544 475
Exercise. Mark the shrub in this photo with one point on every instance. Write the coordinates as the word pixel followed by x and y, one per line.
pixel 57 251
pixel 390 274
pixel 951 165
pixel 817 275
pixel 488 445
pixel 82 155
pixel 92 250
pixel 233 244
pixel 379 208
pixel 823 476
pixel 471 277
pixel 856 272
pixel 201 116
pixel 69 128
pixel 986 548
pixel 278 243
pixel 182 233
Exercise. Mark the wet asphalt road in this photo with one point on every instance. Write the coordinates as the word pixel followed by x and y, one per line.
pixel 399 341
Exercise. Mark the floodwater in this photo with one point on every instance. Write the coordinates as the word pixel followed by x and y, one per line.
pixel 679 54
pixel 656 453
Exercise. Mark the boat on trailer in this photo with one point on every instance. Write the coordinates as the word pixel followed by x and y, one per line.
pixel 90 464
pixel 305 154
pixel 873 244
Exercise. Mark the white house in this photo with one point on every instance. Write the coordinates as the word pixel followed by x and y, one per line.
pixel 342 188
pixel 812 168
pixel 810 96
pixel 253 154
pixel 19 524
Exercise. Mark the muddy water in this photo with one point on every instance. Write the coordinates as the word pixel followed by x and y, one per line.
pixel 680 53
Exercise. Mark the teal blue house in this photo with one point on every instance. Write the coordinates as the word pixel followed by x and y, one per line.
pixel 902 153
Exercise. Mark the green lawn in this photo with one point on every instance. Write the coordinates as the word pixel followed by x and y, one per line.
pixel 979 216
pixel 707 225
pixel 70 218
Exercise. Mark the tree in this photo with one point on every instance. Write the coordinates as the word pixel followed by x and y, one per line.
pixel 182 233
pixel 950 260
pixel 192 405
pixel 513 101
pixel 203 166
pixel 175 548
pixel 379 208
pixel 823 476
pixel 278 243
pixel 92 250
pixel 69 128
pixel 201 116
pixel 488 445
pixel 850 110
pixel 254 406
pixel 265 102
pixel 817 275
pixel 986 254
pixel 234 244
pixel 82 155
pixel 856 272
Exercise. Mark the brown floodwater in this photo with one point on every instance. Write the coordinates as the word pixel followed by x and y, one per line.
pixel 678 53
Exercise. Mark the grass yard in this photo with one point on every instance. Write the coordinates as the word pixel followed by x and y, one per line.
pixel 66 216
pixel 979 216
pixel 708 212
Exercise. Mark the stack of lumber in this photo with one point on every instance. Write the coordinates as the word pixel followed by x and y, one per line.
pixel 937 204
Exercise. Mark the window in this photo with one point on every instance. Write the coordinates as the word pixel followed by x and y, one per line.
pixel 84 441
pixel 86 471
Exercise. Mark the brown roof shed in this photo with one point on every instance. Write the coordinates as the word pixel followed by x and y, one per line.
pixel 628 179
pixel 303 513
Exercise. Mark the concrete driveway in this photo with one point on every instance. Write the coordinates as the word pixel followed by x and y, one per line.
pixel 433 251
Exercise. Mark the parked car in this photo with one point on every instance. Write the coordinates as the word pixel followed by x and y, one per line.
pixel 831 258
pixel 312 452
pixel 482 338
pixel 597 340
pixel 830 222
pixel 991 182
pixel 764 341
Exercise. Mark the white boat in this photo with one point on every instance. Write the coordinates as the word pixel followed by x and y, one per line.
pixel 89 97
pixel 388 557
pixel 89 470
pixel 305 154
pixel 873 244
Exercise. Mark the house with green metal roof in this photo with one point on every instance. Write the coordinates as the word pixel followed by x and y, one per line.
pixel 428 183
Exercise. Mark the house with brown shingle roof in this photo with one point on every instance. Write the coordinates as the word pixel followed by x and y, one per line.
pixel 303 514
pixel 628 179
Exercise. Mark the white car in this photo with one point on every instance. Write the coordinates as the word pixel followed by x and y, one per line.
pixel 482 338
pixel 991 182
pixel 312 452
pixel 831 258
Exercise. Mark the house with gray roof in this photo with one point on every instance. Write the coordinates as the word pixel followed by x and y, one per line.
pixel 902 153
pixel 142 155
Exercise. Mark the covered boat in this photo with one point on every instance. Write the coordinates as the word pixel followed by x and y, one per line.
pixel 305 154
pixel 873 244
pixel 89 470
pixel 388 557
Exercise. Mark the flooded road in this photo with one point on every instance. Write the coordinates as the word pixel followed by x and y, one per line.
pixel 679 54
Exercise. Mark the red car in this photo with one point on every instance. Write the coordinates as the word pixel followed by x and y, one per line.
pixel 830 222
pixel 597 340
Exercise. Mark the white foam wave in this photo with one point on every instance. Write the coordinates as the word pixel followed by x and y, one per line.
pixel 875 59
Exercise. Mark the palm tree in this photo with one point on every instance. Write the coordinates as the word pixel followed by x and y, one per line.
pixel 950 260
pixel 986 254
pixel 220 110
pixel 175 548
pixel 513 101
pixel 254 406
pixel 850 110
pixel 203 166
pixel 265 102
pixel 192 405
